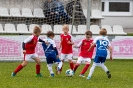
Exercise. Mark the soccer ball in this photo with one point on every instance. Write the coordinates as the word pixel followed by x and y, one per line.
pixel 69 73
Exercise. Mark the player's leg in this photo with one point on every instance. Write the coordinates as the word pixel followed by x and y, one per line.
pixel 88 62
pixel 69 56
pixel 77 64
pixel 105 68
pixel 59 65
pixel 95 63
pixel 20 66
pixel 63 57
pixel 38 66
pixel 50 70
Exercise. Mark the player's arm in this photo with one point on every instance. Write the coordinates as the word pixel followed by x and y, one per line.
pixel 71 42
pixel 40 40
pixel 92 46
pixel 26 41
pixel 78 46
pixel 54 45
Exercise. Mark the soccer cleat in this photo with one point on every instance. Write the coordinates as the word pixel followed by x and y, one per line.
pixel 108 74
pixel 52 75
pixel 39 75
pixel 81 75
pixel 13 74
pixel 88 78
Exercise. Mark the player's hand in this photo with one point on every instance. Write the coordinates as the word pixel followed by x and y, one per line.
pixel 51 13
pixel 111 58
pixel 24 51
pixel 46 42
pixel 56 13
pixel 69 42
pixel 57 56
pixel 75 46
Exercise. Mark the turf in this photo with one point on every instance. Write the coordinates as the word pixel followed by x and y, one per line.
pixel 122 77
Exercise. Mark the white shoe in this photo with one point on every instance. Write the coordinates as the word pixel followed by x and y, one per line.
pixel 81 75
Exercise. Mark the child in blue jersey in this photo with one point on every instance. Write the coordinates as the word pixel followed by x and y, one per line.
pixel 102 44
pixel 51 53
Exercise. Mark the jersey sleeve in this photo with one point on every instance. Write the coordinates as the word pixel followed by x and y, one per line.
pixel 109 43
pixel 54 45
pixel 80 43
pixel 28 39
pixel 95 40
pixel 72 38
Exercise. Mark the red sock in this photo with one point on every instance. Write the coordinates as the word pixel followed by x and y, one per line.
pixel 75 67
pixel 38 69
pixel 72 65
pixel 18 68
pixel 85 69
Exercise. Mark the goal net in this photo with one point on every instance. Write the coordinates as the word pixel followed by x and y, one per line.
pixel 18 18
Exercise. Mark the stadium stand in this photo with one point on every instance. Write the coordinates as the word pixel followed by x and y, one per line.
pixel 15 12
pixel 10 28
pixel 4 12
pixel 95 29
pixel 45 28
pixel 57 29
pixel 96 14
pixel 1 29
pixel 38 12
pixel 109 29
pixel 82 29
pixel 26 12
pixel 22 28
pixel 118 30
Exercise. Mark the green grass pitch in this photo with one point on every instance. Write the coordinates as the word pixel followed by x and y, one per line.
pixel 121 70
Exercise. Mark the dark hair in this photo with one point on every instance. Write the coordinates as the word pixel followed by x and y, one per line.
pixel 50 33
pixel 88 33
pixel 103 31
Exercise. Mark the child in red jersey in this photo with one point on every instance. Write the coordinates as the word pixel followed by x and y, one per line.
pixel 84 55
pixel 29 46
pixel 66 46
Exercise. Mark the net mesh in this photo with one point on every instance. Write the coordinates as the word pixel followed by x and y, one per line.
pixel 18 17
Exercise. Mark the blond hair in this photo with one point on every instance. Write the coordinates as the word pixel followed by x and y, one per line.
pixel 65 26
pixel 103 31
pixel 37 29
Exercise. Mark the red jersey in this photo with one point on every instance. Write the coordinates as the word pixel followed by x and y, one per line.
pixel 84 46
pixel 30 44
pixel 66 48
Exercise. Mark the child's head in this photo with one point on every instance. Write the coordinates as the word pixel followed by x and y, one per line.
pixel 50 34
pixel 37 30
pixel 65 29
pixel 88 34
pixel 103 32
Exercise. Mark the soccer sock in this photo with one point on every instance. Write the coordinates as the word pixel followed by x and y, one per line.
pixel 92 70
pixel 72 65
pixel 104 67
pixel 38 69
pixel 85 69
pixel 50 68
pixel 60 65
pixel 75 67
pixel 18 69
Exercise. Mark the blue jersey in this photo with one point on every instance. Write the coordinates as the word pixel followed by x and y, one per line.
pixel 49 49
pixel 102 44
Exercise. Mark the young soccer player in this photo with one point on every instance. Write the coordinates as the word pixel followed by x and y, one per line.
pixel 51 53
pixel 66 45
pixel 29 46
pixel 84 55
pixel 102 44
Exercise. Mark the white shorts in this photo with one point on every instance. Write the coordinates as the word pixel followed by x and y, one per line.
pixel 28 57
pixel 66 56
pixel 81 59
